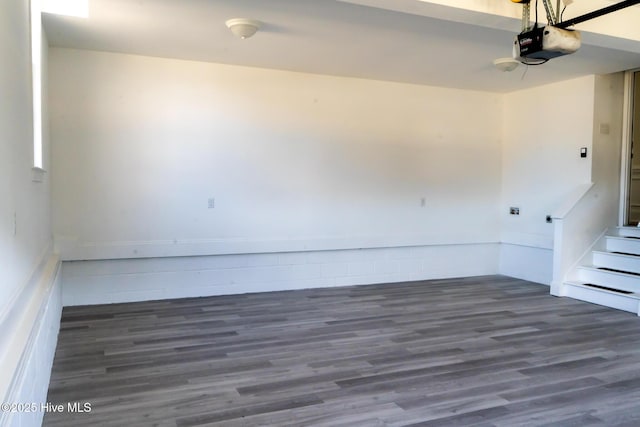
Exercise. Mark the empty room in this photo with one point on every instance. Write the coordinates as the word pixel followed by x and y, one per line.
pixel 319 213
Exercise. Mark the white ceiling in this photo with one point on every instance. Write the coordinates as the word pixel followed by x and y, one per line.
pixel 329 37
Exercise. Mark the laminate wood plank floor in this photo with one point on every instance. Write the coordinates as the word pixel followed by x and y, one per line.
pixel 483 351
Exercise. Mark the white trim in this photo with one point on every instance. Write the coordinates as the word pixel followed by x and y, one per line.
pixel 528 240
pixel 558 275
pixel 70 249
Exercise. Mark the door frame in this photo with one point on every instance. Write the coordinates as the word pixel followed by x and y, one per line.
pixel 625 166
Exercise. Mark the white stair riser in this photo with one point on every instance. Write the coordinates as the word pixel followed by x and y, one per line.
pixel 607 299
pixel 629 231
pixel 616 262
pixel 629 246
pixel 609 279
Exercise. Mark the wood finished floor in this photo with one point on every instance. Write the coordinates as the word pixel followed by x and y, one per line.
pixel 487 351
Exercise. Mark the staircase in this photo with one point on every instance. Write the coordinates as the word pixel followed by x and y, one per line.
pixel 611 277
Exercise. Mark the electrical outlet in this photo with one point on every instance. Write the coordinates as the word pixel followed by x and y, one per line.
pixel 211 203
pixel 514 211
pixel 549 219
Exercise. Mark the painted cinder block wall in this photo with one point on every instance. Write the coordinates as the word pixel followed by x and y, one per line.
pixel 380 181
pixel 298 163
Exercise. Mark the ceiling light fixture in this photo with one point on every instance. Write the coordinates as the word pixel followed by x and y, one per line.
pixel 242 27
pixel 506 64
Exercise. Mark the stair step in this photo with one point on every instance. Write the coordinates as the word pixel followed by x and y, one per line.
pixel 629 231
pixel 603 296
pixel 624 244
pixel 614 278
pixel 609 278
pixel 617 261
pixel 604 288
pixel 623 253
pixel 613 270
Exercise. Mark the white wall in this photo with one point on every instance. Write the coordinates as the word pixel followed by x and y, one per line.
pixel 607 140
pixel 317 180
pixel 24 205
pixel 543 131
pixel 579 229
pixel 294 161
pixel 29 311
pixel 30 288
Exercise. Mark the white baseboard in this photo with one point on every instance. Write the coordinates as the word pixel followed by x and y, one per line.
pixel 534 264
pixel 141 279
pixel 31 338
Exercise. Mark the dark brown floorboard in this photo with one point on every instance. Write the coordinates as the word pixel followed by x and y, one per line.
pixel 484 351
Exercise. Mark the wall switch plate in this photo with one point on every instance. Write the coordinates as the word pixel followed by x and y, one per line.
pixel 514 211
pixel 583 152
pixel 211 203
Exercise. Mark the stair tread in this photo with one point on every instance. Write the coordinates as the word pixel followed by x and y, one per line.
pixel 606 289
pixel 610 271
pixel 628 228
pixel 610 236
pixel 615 270
pixel 616 253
